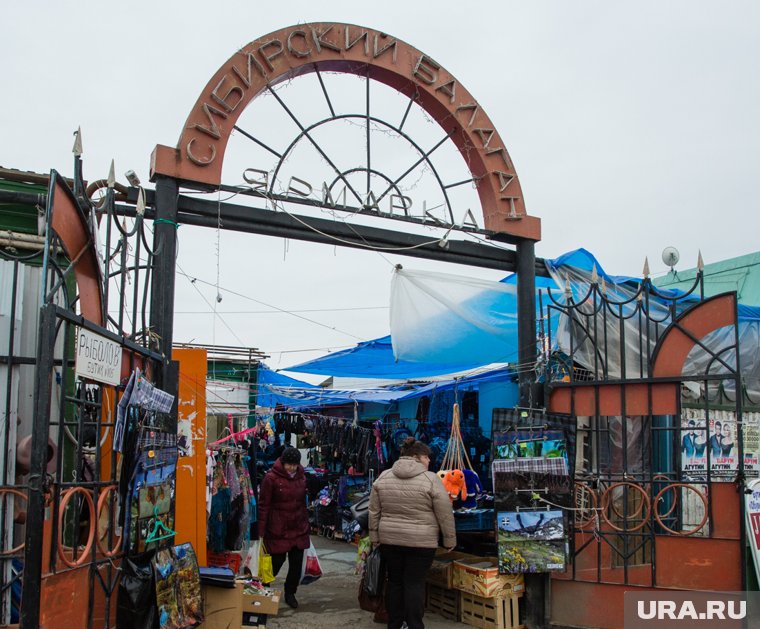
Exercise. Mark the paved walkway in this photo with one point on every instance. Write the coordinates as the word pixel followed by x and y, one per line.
pixel 332 600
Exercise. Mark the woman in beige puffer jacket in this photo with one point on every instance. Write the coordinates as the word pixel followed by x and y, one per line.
pixel 409 511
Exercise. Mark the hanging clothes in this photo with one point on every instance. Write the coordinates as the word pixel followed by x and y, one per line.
pixel 232 503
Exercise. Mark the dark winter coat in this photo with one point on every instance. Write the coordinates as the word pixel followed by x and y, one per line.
pixel 283 521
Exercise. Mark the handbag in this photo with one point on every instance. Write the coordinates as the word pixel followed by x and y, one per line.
pixel 367 602
pixel 310 568
pixel 266 572
pixel 374 604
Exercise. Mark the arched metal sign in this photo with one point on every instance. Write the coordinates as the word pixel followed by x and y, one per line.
pixel 344 48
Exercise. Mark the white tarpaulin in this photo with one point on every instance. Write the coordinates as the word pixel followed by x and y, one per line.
pixel 449 319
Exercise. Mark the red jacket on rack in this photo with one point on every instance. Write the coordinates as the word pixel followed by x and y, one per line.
pixel 283 520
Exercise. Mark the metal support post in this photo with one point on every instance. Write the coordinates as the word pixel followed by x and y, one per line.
pixel 536 585
pixel 163 280
pixel 35 516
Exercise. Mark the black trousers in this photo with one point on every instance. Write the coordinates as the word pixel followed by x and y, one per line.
pixel 295 561
pixel 405 599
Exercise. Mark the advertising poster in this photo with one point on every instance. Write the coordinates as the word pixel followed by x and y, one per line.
pixel 718 444
pixel 752 511
pixel 531 541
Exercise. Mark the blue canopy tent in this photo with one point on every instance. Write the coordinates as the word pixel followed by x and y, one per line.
pixel 266 378
pixel 314 397
pixel 374 359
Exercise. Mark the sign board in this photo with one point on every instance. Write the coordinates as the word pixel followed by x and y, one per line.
pixel 752 511
pixel 97 358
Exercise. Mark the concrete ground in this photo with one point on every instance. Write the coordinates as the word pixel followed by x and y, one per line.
pixel 332 600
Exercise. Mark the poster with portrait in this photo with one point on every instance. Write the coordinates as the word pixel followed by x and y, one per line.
pixel 694 441
pixel 715 440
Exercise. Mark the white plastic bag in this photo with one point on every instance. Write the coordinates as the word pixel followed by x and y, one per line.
pixel 251 562
pixel 311 569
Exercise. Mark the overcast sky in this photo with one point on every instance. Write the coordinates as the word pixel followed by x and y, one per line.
pixel 632 126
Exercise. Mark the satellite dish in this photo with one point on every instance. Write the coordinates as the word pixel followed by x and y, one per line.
pixel 670 256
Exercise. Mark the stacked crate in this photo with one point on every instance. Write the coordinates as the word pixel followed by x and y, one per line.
pixel 488 600
pixel 441 598
pixel 469 589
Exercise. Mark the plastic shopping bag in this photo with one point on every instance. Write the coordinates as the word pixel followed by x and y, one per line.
pixel 310 569
pixel 266 573
pixel 374 573
pixel 251 562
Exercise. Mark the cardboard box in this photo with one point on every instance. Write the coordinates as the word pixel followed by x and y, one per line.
pixel 221 607
pixel 256 604
pixel 254 620
pixel 441 571
pixel 482 578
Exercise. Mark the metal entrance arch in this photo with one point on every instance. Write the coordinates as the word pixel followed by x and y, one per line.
pixel 196 162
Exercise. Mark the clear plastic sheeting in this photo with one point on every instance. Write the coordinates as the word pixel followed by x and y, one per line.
pixel 451 320
pixel 627 347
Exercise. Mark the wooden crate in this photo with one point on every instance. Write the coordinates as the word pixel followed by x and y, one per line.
pixel 490 613
pixel 481 577
pixel 442 568
pixel 442 601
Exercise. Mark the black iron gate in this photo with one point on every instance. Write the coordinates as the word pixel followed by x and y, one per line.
pixel 651 445
pixel 61 540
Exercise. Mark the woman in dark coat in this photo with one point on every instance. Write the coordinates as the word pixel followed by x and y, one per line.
pixel 283 521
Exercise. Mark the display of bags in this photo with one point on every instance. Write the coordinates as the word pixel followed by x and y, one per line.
pixel 136 599
pixel 310 569
pixel 266 572
pixel 178 587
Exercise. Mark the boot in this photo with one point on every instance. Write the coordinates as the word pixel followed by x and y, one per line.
pixel 290 599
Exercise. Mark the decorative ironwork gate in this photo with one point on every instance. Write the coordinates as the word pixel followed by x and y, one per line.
pixel 59 518
pixel 659 447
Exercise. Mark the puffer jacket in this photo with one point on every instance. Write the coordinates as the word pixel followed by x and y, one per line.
pixel 283 519
pixel 408 506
